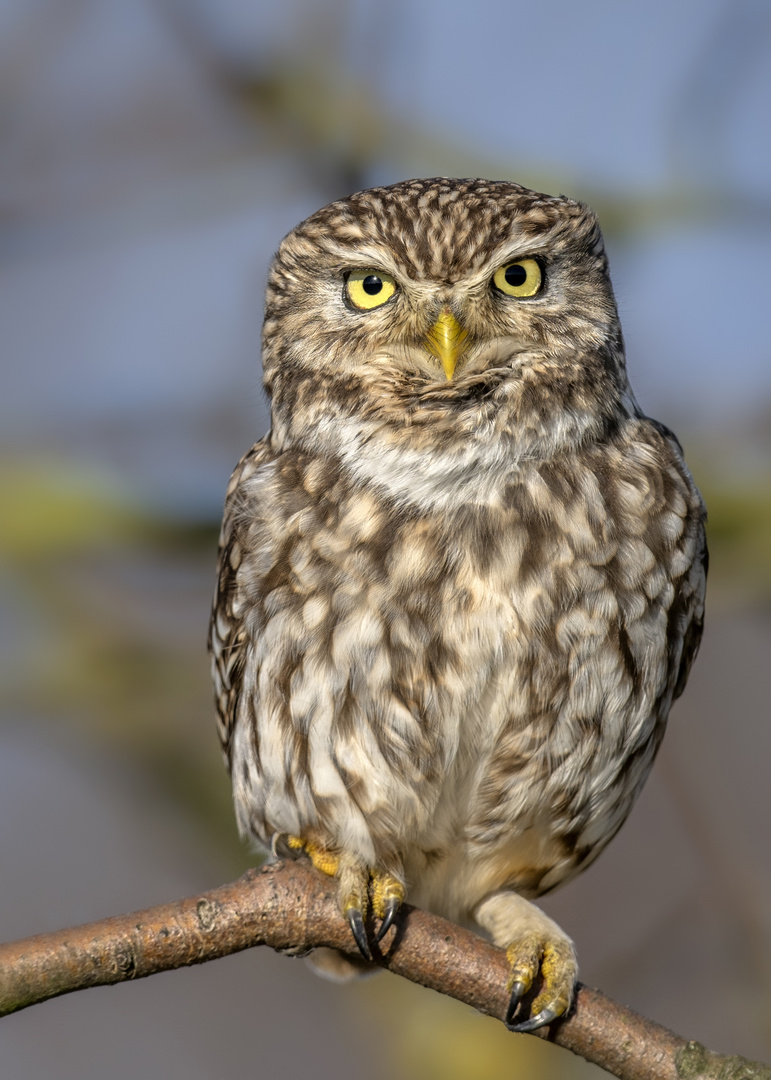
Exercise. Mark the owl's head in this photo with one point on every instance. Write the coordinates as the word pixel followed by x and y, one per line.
pixel 443 308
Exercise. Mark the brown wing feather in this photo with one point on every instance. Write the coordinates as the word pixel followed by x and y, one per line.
pixel 693 633
pixel 227 638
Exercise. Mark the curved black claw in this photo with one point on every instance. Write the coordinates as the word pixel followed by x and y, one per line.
pixel 391 907
pixel 356 922
pixel 545 1016
pixel 518 989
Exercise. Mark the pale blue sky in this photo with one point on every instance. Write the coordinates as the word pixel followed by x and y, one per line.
pixel 140 211
pixel 605 90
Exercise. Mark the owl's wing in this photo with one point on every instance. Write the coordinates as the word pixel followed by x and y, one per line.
pixel 686 616
pixel 695 628
pixel 227 636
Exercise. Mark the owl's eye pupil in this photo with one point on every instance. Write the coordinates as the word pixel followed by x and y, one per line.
pixel 515 275
pixel 372 284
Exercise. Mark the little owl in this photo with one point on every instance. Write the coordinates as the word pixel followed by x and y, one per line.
pixel 462 578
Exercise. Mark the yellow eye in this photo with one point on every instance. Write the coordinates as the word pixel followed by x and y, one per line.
pixel 521 278
pixel 367 289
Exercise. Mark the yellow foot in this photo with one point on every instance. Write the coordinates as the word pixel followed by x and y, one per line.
pixel 354 901
pixel 354 884
pixel 557 962
pixel 325 861
pixel 387 897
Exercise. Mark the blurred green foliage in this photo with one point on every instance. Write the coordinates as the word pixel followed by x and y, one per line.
pixel 739 536
pixel 114 603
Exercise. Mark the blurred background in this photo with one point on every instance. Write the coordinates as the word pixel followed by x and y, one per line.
pixel 152 155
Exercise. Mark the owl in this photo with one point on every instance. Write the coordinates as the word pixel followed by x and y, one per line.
pixel 462 579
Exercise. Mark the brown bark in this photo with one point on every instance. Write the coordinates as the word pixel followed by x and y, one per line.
pixel 290 907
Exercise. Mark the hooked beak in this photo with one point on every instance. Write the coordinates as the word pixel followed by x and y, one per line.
pixel 445 341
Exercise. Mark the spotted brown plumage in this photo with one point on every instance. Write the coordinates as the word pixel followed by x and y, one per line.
pixel 461 583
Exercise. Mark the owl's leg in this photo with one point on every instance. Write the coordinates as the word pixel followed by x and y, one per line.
pixel 387 897
pixel 533 942
pixel 354 878
pixel 353 897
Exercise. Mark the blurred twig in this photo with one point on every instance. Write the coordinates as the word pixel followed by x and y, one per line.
pixel 292 908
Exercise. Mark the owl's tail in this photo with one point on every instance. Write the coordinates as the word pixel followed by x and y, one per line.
pixel 338 967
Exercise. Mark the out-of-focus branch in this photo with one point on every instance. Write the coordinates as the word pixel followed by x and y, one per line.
pixel 292 908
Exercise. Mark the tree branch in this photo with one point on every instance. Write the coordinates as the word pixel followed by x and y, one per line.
pixel 291 907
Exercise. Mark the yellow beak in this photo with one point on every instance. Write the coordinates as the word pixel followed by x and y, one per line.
pixel 445 341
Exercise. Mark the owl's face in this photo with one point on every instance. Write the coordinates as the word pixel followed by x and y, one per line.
pixel 472 301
